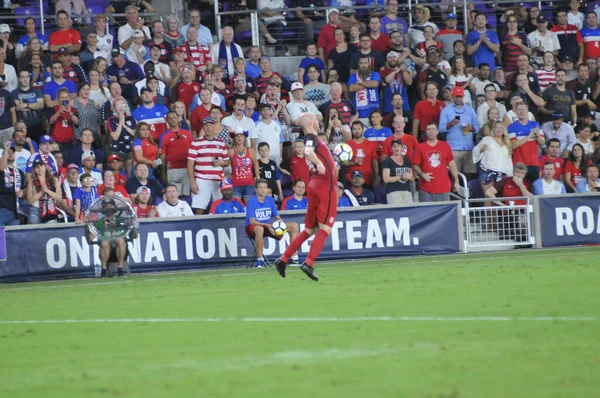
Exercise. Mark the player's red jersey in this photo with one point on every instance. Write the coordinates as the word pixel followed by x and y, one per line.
pixel 299 169
pixel 328 180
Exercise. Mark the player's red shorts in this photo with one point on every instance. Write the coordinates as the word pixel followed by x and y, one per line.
pixel 322 208
pixel 267 233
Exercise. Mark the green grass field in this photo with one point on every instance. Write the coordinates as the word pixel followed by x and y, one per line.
pixel 518 324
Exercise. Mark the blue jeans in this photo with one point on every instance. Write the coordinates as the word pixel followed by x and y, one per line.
pixel 7 217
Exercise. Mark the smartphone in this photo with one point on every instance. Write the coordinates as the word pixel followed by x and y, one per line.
pixel 65 102
pixel 456 117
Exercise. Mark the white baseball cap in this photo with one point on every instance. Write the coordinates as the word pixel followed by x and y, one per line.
pixel 297 86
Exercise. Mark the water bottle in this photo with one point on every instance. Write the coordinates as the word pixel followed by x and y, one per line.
pixel 97 270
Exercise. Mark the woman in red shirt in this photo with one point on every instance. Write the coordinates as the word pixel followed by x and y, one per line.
pixel 575 167
pixel 145 149
pixel 244 167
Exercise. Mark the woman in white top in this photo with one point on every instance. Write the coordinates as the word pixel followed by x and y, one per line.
pixel 314 91
pixel 460 78
pixel 584 140
pixel 98 93
pixel 494 154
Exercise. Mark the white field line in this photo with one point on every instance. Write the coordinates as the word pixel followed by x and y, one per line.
pixel 385 262
pixel 491 318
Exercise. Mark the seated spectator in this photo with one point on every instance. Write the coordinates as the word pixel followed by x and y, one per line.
pixel 69 186
pixel 397 176
pixel 547 184
pixel 511 187
pixel 299 106
pixel 174 145
pixel 297 201
pixel 84 196
pixel 591 182
pixel 227 204
pixel 205 37
pixel 553 145
pixel 493 156
pixel 30 33
pixel 65 35
pixel 44 194
pixel 134 23
pixel 142 206
pixel 145 149
pixel 585 141
pixel 343 200
pixel 173 206
pixel 141 179
pixel 268 169
pixel 357 194
pixel 115 164
pixel 12 188
pixel 335 130
pixel 260 210
pixel 88 161
pixel 151 113
pixel 575 167
pixel 226 51
pixel 137 52
pixel 526 137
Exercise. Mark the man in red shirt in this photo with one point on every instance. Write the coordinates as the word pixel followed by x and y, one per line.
pixel 114 165
pixel 195 53
pixel 511 187
pixel 174 145
pixel 431 160
pixel 322 198
pixel 427 111
pixel 364 157
pixel 298 164
pixel 64 36
pixel 379 40
pixel 409 143
pixel 552 156
pixel 109 180
pixel 186 89
pixel 326 41
pixel 201 111
pixel 143 208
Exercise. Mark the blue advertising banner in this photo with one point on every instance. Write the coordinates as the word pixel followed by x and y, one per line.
pixel 570 220
pixel 2 244
pixel 213 241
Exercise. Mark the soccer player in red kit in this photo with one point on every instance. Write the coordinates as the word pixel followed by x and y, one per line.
pixel 322 198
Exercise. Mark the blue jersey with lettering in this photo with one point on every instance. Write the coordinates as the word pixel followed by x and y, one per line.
pixel 367 99
pixel 221 207
pixel 261 211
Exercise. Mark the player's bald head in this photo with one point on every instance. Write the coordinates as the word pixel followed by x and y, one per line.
pixel 309 123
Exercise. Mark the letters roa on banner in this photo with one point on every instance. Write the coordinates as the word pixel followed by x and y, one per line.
pixel 570 220
pixel 221 241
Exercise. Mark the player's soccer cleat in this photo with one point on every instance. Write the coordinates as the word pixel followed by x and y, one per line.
pixel 309 271
pixel 103 273
pixel 280 265
pixel 120 272
pixel 260 263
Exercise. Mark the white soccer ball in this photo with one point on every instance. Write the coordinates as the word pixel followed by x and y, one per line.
pixel 279 227
pixel 343 152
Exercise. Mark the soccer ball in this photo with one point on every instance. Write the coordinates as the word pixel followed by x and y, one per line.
pixel 342 152
pixel 279 227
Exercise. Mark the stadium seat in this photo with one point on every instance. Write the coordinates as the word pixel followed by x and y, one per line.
pixel 252 263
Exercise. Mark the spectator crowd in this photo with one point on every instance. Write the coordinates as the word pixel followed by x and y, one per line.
pixel 161 113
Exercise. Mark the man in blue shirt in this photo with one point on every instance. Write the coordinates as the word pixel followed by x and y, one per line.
pixel 483 43
pixel 357 195
pixel 127 73
pixel 56 83
pixel 342 200
pixel 591 182
pixel 228 204
pixel 259 212
pixel 459 122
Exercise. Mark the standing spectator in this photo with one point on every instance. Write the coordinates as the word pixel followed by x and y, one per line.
pixel 511 187
pixel 427 110
pixel 377 133
pixel 30 33
pixel 380 41
pixel 315 92
pixel 205 36
pixel 432 158
pixel 98 92
pixel 364 86
pixel 63 118
pixel 310 59
pixel 483 80
pixel 105 40
pixel 513 44
pixel 173 36
pixel 174 145
pixel 398 110
pixel 206 158
pixel 591 37
pixel 346 109
pixel 449 35
pixel 29 102
pixel 8 116
pixel 187 88
pixel 161 70
pixel 298 164
pixel 127 73
pixel 115 165
pixel 202 111
pixel 342 199
pixel 591 182
pixel 268 169
pixel 409 143
pixel 151 113
pixel 582 88
pixel 22 146
pixel 227 204
pixel 107 109
pixel 543 40
pixel 71 71
pixel 421 17
pixel 339 57
pixel 298 106
pixel 238 120
pixel 397 175
pixel 493 156
pixel 327 41
pixel 125 33
pixel 137 52
pixel 196 54
pixel 525 136
pixel 84 196
pixel 142 206
pixel 392 22
pixel 298 200
pixel 547 73
pixel 44 153
pixel 226 51
pixel 364 157
pixel 459 122
pixel 559 98
pixel 483 43
pixel 490 102
pixel 585 141
pixel 433 73
pixel 576 17
pixel 553 157
pixel 88 161
pixel 335 131
pixel 374 58
pixel 88 55
pixel 158 39
pixel 253 64
pixel 145 150
pixel 65 35
pixel 121 127
pixel 173 206
pixel 75 7
pixel 569 37
pixel 44 193
pixel 87 139
pixel 557 128
pixel 397 75
pixel 12 186
pixel 244 167
pixel 269 131
pixel 547 184
pixel 8 75
pixel 141 180
pixel 358 195
pixel 88 115
pixel 69 186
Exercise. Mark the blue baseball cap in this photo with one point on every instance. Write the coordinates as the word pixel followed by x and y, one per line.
pixel 451 15
pixel 357 173
pixel 45 138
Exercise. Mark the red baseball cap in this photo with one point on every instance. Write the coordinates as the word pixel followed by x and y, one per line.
pixel 114 157
pixel 458 92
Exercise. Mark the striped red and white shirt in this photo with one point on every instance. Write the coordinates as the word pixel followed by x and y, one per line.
pixel 204 152
pixel 198 55
pixel 546 77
